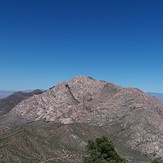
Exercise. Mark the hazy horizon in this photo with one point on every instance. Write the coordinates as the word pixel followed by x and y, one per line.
pixel 28 90
pixel 45 42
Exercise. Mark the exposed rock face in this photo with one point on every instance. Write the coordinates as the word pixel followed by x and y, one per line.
pixel 135 117
pixel 66 100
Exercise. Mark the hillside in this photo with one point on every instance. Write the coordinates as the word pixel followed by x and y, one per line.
pixel 131 116
pixel 49 142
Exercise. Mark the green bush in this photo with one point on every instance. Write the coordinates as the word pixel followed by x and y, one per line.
pixel 155 161
pixel 102 151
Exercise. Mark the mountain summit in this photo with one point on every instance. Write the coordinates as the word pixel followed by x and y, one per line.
pixel 129 114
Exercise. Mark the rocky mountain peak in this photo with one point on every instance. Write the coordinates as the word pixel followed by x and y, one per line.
pixel 132 115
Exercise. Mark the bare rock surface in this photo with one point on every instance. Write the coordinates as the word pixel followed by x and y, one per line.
pixel 133 116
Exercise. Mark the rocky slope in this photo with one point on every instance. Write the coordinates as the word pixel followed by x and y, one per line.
pixel 134 117
pixel 6 104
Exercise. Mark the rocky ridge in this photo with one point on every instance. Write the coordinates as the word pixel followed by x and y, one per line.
pixel 133 116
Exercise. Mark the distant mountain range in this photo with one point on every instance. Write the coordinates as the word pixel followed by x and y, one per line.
pixel 4 94
pixel 157 95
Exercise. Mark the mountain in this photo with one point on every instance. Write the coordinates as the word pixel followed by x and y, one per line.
pixel 4 94
pixel 157 95
pixel 130 116
pixel 6 104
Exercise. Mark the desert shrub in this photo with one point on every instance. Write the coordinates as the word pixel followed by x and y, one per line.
pixel 155 161
pixel 102 150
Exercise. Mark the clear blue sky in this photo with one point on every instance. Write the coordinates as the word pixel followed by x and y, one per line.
pixel 43 42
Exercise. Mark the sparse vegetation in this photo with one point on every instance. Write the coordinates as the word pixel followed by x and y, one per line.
pixel 102 150
pixel 155 161
pixel 47 142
